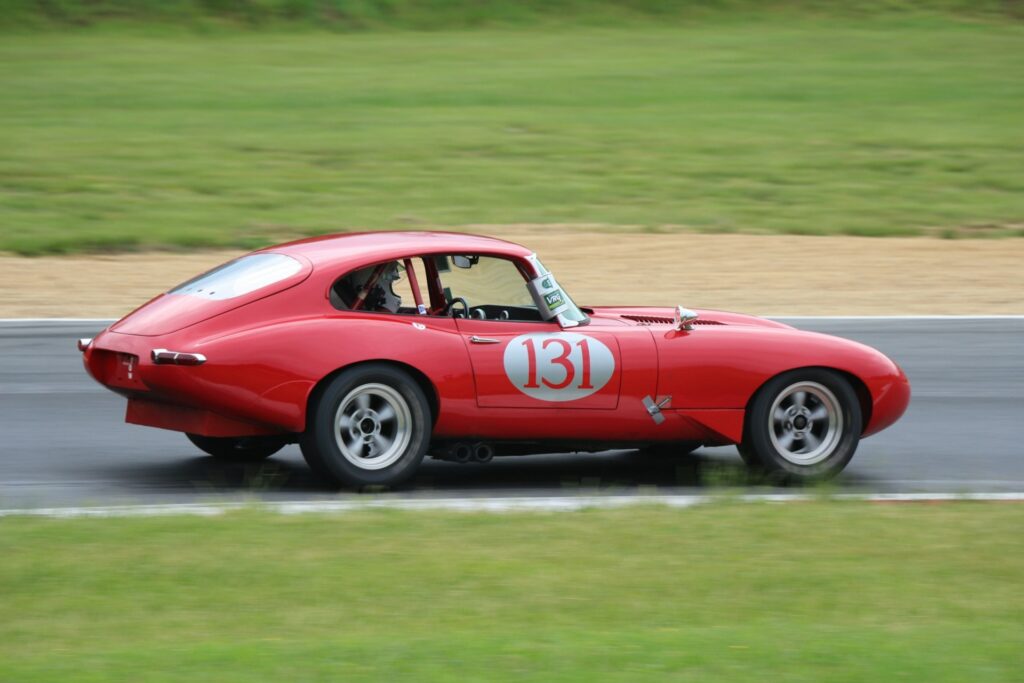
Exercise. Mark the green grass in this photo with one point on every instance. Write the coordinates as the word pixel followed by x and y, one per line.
pixel 800 592
pixel 361 15
pixel 111 138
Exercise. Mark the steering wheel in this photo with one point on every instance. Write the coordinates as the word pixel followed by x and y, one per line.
pixel 448 310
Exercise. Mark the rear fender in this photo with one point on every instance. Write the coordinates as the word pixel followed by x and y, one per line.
pixel 262 378
pixel 264 375
pixel 425 384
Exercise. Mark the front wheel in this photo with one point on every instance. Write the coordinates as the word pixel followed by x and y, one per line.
pixel 803 425
pixel 238 448
pixel 370 426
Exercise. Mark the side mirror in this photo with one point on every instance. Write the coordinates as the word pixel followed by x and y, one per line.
pixel 684 318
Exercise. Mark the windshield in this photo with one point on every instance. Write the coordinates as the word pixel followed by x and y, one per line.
pixel 493 288
pixel 240 276
pixel 482 281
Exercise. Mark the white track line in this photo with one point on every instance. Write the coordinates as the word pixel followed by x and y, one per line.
pixel 508 504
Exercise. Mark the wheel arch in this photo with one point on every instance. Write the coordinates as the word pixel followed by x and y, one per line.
pixel 421 379
pixel 858 385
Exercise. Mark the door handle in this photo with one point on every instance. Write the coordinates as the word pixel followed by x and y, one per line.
pixel 483 340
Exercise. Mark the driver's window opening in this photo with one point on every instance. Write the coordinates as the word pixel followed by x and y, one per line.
pixel 389 287
pixel 484 288
pixel 457 285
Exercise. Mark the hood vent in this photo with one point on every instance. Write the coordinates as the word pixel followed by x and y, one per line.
pixel 649 319
pixel 661 320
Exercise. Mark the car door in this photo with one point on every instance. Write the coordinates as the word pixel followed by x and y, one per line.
pixel 537 364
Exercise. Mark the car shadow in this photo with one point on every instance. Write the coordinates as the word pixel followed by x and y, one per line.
pixel 607 470
pixel 200 474
pixel 611 471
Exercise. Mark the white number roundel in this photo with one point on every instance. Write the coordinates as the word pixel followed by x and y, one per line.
pixel 560 366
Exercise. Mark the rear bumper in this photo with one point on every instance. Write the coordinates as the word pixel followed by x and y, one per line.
pixel 190 420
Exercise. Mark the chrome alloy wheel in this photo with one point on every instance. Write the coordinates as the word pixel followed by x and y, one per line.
pixel 373 426
pixel 805 423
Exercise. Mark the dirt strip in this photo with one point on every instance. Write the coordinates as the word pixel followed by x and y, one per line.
pixel 762 274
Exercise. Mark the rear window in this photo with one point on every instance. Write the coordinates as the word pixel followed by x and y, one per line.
pixel 240 276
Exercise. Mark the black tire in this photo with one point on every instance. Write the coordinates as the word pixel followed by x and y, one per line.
pixel 748 455
pixel 351 456
pixel 239 448
pixel 776 441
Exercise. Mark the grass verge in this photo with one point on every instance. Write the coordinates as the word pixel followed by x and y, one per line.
pixel 113 139
pixel 801 592
pixel 345 15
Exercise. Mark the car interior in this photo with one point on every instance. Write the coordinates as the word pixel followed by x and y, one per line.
pixel 458 286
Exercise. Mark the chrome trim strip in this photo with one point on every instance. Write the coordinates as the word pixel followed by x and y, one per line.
pixel 166 357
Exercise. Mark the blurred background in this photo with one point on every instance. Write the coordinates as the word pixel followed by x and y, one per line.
pixel 778 157
pixel 129 125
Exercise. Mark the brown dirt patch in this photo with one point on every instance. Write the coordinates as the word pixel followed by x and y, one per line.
pixel 767 274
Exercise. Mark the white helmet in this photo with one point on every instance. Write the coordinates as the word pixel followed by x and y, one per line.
pixel 380 294
pixel 392 301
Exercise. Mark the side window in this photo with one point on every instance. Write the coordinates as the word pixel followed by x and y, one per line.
pixel 492 288
pixel 382 287
pixel 241 276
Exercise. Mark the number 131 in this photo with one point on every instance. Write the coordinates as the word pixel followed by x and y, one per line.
pixel 534 380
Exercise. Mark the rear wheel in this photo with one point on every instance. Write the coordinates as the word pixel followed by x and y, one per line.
pixel 802 425
pixel 239 448
pixel 370 426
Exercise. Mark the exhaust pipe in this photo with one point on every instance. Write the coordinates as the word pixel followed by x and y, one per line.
pixel 462 452
pixel 482 453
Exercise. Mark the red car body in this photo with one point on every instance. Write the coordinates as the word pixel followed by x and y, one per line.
pixel 267 350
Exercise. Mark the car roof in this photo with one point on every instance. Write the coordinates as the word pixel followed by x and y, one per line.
pixel 357 248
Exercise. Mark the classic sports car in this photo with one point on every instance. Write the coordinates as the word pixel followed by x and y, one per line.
pixel 372 350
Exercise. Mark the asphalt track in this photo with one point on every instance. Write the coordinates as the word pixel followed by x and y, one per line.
pixel 63 440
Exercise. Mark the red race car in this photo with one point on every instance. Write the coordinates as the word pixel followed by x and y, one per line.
pixel 371 350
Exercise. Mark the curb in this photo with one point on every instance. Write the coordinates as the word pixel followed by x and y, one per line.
pixel 491 505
